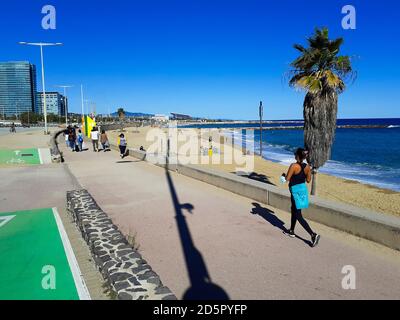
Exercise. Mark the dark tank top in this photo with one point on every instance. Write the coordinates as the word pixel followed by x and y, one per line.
pixel 300 177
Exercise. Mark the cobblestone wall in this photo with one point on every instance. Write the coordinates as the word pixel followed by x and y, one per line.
pixel 127 273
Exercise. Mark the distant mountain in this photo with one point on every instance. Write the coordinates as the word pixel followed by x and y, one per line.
pixel 133 114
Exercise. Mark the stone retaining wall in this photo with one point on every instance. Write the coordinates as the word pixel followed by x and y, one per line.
pixel 126 272
pixel 56 154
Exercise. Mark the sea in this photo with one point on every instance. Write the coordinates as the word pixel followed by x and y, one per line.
pixel 367 155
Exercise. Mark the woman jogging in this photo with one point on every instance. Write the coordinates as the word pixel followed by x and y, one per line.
pixel 298 174
pixel 122 143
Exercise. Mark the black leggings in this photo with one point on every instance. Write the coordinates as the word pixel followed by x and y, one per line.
pixel 297 216
pixel 122 150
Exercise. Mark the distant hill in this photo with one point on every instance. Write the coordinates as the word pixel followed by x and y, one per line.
pixel 133 114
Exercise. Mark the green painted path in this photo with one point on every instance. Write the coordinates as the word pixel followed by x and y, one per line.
pixel 37 262
pixel 20 156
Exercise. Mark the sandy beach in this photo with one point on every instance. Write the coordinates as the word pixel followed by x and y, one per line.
pixel 329 187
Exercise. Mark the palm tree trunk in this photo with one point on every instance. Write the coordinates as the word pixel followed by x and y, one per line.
pixel 320 113
pixel 314 173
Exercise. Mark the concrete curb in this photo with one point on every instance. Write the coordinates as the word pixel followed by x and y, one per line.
pixel 377 227
pixel 126 272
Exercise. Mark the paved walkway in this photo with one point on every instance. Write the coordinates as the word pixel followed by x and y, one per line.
pixel 45 186
pixel 207 242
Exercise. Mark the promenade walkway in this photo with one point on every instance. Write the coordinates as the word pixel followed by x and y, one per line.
pixel 27 192
pixel 205 242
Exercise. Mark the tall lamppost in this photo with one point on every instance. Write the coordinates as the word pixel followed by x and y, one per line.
pixel 65 101
pixel 261 113
pixel 41 45
pixel 87 102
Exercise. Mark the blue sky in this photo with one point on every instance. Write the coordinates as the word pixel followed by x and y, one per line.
pixel 211 58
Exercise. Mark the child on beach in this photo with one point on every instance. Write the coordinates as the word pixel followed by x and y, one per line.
pixel 122 143
pixel 297 176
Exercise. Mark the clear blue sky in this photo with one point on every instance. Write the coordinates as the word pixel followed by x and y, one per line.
pixel 211 58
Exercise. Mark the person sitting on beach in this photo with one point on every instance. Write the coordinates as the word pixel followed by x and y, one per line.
pixel 104 141
pixel 298 174
pixel 122 144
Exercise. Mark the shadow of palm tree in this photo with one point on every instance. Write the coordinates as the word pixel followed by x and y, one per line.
pixel 255 176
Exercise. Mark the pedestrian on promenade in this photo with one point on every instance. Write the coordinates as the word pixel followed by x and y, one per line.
pixel 12 128
pixel 104 140
pixel 298 174
pixel 122 144
pixel 94 135
pixel 72 138
pixel 66 137
pixel 80 140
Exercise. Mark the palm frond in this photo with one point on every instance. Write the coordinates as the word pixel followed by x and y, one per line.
pixel 321 55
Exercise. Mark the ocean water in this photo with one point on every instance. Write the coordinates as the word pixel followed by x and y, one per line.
pixel 370 156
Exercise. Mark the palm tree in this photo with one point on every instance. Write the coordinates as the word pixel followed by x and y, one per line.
pixel 322 73
pixel 121 113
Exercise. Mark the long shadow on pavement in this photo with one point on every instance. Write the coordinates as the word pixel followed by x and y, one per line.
pixel 202 287
pixel 268 216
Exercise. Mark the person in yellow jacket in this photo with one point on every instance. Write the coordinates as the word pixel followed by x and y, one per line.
pixel 122 144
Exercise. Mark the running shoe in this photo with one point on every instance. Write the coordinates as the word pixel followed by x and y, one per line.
pixel 315 239
pixel 289 233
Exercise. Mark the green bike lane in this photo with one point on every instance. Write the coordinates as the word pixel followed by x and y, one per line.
pixel 37 261
pixel 29 156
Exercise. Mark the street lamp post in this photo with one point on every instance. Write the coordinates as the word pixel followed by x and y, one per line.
pixel 261 113
pixel 87 102
pixel 41 45
pixel 65 101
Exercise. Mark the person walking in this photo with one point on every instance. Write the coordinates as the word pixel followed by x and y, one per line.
pixel 72 138
pixel 298 174
pixel 80 140
pixel 94 135
pixel 104 141
pixel 66 137
pixel 122 144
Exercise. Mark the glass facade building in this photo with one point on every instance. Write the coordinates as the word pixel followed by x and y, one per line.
pixel 17 87
pixel 54 101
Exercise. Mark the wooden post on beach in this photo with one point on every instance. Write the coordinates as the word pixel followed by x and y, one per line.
pixel 261 112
